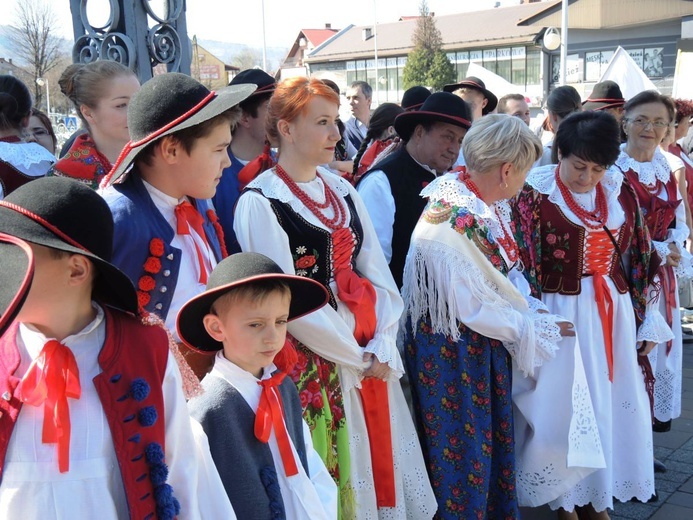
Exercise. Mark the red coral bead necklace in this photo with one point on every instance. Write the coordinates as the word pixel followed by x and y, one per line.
pixel 592 219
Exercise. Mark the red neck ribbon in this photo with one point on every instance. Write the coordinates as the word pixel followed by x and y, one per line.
pixel 53 377
pixel 188 217
pixel 270 414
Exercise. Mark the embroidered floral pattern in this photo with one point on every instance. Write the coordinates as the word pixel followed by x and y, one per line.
pixel 305 263
pixel 556 254
pixel 152 266
pixel 462 396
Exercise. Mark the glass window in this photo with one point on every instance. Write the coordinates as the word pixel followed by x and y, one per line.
pixel 489 61
pixel 519 76
pixel 653 62
pixel 462 71
pixel 595 64
pixel 351 76
pixel 533 67
pixel 503 64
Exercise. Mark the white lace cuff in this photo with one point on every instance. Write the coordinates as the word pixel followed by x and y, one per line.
pixel 536 305
pixel 654 327
pixel 684 271
pixel 539 339
pixel 662 249
pixel 384 347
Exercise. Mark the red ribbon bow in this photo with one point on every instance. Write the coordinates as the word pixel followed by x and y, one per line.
pixel 186 217
pixel 53 377
pixel 270 414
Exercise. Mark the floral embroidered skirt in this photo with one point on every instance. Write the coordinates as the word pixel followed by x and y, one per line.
pixel 320 392
pixel 462 399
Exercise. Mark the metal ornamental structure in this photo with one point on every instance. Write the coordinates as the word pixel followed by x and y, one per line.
pixel 140 34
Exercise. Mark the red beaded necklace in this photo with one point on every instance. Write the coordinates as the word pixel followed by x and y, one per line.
pixel 506 241
pixel 331 200
pixel 592 219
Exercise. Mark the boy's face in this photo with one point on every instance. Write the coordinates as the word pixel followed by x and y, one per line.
pixel 199 172
pixel 252 331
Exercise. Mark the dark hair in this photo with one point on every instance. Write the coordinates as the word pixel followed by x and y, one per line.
pixel 189 136
pixel 366 89
pixel 83 83
pixel 592 136
pixel 564 100
pixel 684 109
pixel 252 104
pixel 15 102
pixel 45 121
pixel 256 290
pixel 382 118
pixel 650 96
pixel 502 102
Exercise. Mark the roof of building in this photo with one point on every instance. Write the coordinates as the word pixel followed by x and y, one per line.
pixel 488 28
pixel 605 14
pixel 317 36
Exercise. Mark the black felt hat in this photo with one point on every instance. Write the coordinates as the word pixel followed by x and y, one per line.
pixel 17 271
pixel 606 94
pixel 168 103
pixel 307 295
pixel 265 83
pixel 477 84
pixel 441 107
pixel 67 215
pixel 414 97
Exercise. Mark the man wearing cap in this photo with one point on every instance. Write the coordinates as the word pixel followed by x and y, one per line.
pixel 607 96
pixel 390 191
pixel 359 96
pixel 414 97
pixel 167 236
pixel 248 143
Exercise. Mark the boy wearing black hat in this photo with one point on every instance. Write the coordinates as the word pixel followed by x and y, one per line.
pixel 248 142
pixel 167 235
pixel 251 412
pixel 94 419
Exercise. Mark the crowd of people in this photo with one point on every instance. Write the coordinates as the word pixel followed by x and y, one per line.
pixel 232 304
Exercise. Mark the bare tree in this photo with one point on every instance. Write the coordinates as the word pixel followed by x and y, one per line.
pixel 247 58
pixel 33 38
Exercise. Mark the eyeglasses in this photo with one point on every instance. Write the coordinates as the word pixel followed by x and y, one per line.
pixel 644 123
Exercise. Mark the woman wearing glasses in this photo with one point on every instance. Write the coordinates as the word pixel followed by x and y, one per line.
pixel 646 121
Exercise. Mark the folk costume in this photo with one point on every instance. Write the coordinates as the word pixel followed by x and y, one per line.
pixel 258 439
pixel 465 326
pixel 95 425
pixel 577 268
pixel 20 163
pixel 83 162
pixel 665 218
pixel 334 243
pixel 677 150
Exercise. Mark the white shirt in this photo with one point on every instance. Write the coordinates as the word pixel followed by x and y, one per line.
pixel 313 497
pixel 188 284
pixel 32 486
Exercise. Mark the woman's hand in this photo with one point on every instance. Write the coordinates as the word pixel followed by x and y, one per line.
pixel 377 369
pixel 645 347
pixel 674 256
pixel 567 329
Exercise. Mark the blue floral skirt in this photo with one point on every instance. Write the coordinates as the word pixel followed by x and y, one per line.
pixel 462 398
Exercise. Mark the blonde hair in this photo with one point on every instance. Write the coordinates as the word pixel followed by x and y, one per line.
pixel 496 139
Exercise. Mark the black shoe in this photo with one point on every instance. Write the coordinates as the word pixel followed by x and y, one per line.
pixel 659 466
pixel 660 426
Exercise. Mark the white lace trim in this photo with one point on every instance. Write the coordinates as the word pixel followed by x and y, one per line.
pixel 543 179
pixel 623 491
pixel 654 327
pixel 648 172
pixel 384 347
pixel 536 305
pixel 425 291
pixel 26 156
pixel 662 249
pixel 273 187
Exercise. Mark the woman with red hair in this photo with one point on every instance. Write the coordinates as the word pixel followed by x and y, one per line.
pixel 314 224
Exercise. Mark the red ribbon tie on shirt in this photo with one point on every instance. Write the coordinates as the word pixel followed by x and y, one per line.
pixel 53 377
pixel 188 217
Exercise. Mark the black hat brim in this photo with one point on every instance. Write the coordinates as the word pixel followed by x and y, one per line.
pixel 492 100
pixel 16 274
pixel 406 122
pixel 601 105
pixel 307 296
pixel 224 99
pixel 112 287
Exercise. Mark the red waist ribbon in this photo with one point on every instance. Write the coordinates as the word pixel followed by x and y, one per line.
pixel 53 377
pixel 358 294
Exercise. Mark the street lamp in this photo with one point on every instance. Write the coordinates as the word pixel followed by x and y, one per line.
pixel 552 39
pixel 44 82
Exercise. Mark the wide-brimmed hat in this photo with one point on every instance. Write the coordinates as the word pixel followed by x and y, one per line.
pixel 16 273
pixel 606 94
pixel 414 97
pixel 64 214
pixel 307 295
pixel 166 104
pixel 477 84
pixel 264 82
pixel 441 107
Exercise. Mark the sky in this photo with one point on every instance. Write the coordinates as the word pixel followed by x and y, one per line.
pixel 240 21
